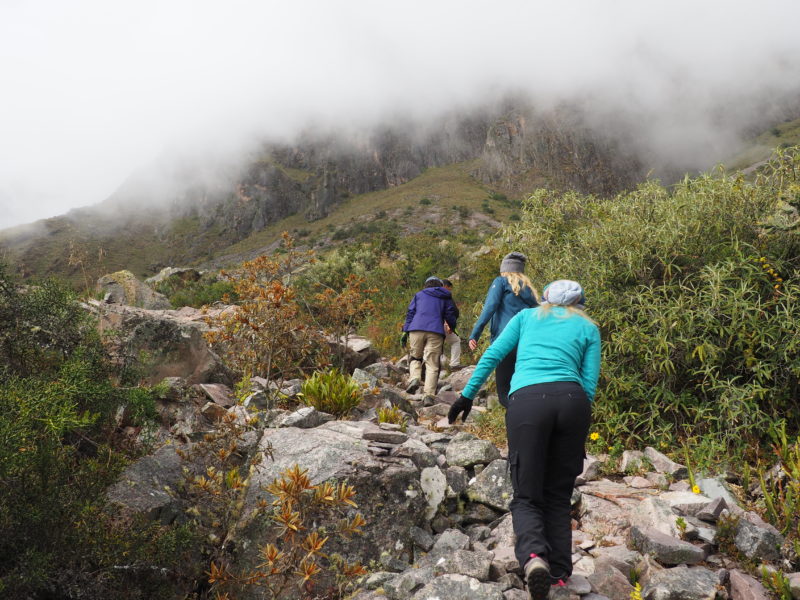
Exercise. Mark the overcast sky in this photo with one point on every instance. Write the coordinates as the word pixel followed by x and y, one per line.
pixel 94 89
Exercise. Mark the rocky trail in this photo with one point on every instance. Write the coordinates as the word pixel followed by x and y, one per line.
pixel 435 497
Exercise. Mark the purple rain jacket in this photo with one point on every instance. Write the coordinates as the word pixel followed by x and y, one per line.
pixel 429 309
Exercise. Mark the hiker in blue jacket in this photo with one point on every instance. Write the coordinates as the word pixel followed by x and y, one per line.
pixel 509 293
pixel 428 311
pixel 547 421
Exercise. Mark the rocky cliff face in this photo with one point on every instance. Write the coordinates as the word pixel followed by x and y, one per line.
pixel 559 147
pixel 311 176
pixel 179 212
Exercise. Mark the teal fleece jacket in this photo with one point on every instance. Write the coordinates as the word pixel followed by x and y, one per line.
pixel 552 345
pixel 500 306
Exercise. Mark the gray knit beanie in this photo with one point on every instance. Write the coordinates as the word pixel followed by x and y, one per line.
pixel 564 293
pixel 513 262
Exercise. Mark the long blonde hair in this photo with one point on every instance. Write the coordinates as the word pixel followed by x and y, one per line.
pixel 519 281
pixel 544 310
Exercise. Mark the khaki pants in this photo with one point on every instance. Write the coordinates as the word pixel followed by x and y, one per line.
pixel 455 349
pixel 425 346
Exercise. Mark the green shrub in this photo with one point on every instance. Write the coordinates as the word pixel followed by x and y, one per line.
pixel 58 453
pixel 700 342
pixel 332 392
pixel 425 201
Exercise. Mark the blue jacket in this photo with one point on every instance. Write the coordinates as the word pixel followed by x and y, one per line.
pixel 429 309
pixel 552 345
pixel 500 306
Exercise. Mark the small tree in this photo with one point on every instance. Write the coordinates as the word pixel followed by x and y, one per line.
pixel 267 334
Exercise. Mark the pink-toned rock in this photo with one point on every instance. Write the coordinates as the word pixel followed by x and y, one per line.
pixel 218 393
pixel 745 587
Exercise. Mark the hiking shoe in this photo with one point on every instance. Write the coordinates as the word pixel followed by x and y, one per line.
pixel 413 386
pixel 537 578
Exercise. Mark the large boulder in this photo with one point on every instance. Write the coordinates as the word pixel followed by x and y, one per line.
pixel 162 343
pixel 122 287
pixel 389 493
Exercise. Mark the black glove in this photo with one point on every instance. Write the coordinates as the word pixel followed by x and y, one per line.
pixel 462 404
pixel 404 339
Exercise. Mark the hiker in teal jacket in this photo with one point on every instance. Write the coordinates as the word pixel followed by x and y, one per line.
pixel 509 293
pixel 547 421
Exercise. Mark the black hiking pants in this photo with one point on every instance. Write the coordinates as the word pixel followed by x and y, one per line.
pixel 547 424
pixel 502 376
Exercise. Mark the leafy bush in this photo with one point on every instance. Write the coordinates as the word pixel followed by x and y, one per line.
pixel 700 342
pixel 332 392
pixel 58 453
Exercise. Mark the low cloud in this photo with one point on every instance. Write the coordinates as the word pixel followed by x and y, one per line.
pixel 94 90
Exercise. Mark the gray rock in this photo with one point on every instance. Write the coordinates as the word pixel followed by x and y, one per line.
pixel 218 393
pixel 593 596
pixel 465 562
pixel 515 594
pixel 459 587
pixel 172 342
pixel 664 464
pixel 434 485
pixel 717 487
pixel 378 579
pixel 307 417
pixel 469 453
pixel 610 582
pixel 682 583
pixel 122 287
pixel 386 436
pixel 658 480
pixel 591 470
pixel 619 557
pixel 510 581
pixel 503 533
pixel 492 486
pixel 378 369
pixel 665 549
pixel 744 587
pixel 450 541
pixel 758 542
pixel 711 511
pixel 421 538
pixel 631 461
pixel 365 379
pixel 402 586
pixel 635 481
pixel 419 453
pixel 456 481
pixel 687 503
pixel 388 491
pixel 794 585
pixel 578 584
pixel 459 379
pixel 144 487
pixel 657 514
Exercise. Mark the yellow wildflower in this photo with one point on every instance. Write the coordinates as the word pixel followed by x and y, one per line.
pixel 594 436
pixel 695 489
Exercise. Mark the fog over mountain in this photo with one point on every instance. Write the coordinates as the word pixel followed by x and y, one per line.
pixel 93 90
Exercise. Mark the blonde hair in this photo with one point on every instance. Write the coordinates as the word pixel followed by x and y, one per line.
pixel 544 310
pixel 518 281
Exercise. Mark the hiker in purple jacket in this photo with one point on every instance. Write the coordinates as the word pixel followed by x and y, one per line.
pixel 428 311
